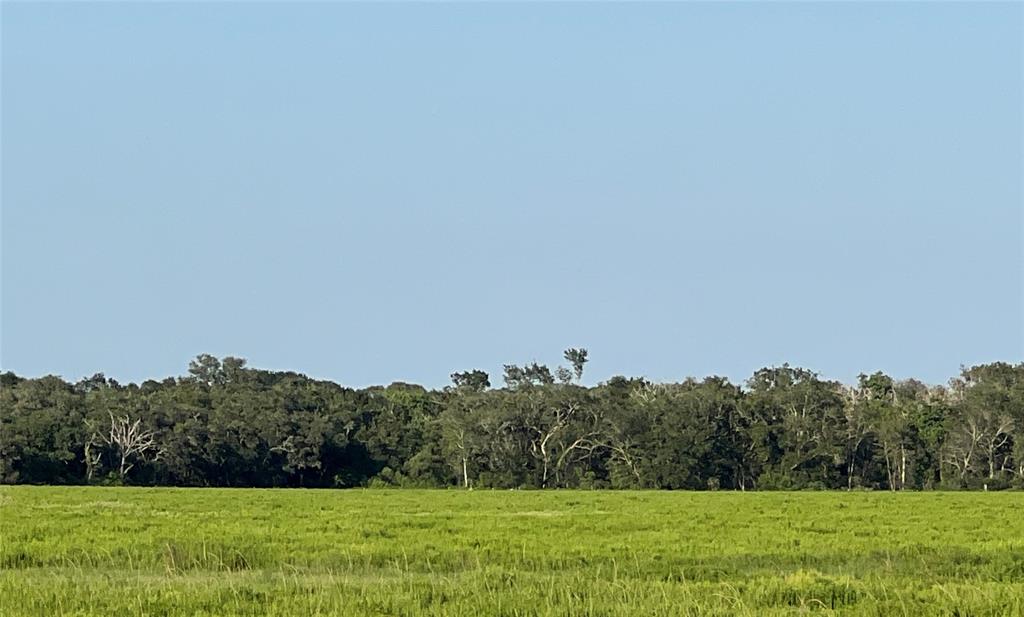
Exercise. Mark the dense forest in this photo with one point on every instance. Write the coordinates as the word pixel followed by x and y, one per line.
pixel 225 424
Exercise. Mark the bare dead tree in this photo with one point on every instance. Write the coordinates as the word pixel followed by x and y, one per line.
pixel 586 442
pixel 962 445
pixel 459 443
pixel 649 392
pixel 858 430
pixel 540 445
pixel 93 457
pixel 129 440
pixel 1000 427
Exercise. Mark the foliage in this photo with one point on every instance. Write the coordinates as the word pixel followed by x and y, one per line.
pixel 226 424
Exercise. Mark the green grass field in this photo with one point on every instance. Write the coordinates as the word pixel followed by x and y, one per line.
pixel 131 551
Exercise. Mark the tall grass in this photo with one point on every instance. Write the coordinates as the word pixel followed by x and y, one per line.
pixel 130 551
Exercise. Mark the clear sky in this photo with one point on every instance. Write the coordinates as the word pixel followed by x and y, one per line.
pixel 369 193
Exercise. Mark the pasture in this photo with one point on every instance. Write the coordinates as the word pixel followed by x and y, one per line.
pixel 88 551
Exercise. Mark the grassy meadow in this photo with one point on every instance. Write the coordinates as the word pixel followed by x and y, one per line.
pixel 137 551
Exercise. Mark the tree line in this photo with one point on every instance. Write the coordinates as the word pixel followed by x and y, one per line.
pixel 226 424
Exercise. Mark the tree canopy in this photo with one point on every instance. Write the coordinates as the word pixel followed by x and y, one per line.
pixel 227 424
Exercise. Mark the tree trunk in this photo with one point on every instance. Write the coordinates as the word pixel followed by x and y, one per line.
pixel 903 467
pixel 889 471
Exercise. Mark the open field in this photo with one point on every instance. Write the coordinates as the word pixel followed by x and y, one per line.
pixel 133 551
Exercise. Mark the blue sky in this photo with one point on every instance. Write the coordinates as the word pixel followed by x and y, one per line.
pixel 370 193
